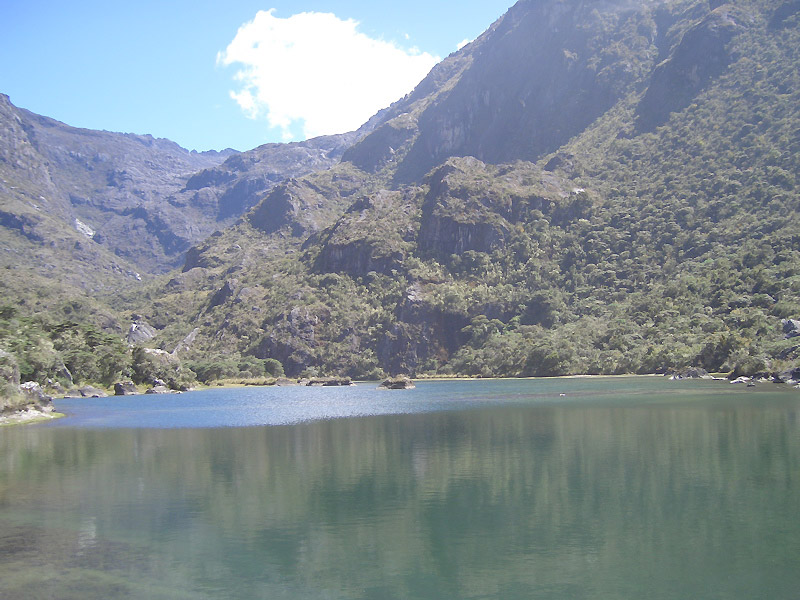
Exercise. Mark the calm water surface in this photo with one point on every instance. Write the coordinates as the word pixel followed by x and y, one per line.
pixel 619 488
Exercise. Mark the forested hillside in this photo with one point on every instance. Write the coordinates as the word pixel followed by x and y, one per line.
pixel 656 229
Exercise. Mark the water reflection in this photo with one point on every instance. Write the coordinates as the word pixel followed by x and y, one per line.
pixel 544 501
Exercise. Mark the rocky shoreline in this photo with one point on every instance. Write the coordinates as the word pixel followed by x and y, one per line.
pixel 29 415
pixel 36 406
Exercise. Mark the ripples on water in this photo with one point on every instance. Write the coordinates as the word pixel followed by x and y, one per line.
pixel 621 488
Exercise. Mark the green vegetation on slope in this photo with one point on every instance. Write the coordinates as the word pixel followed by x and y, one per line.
pixel 661 235
pixel 631 249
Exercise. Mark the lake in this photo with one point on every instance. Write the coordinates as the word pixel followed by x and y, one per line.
pixel 601 488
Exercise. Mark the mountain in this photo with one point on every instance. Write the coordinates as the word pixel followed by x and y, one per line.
pixel 589 187
pixel 109 188
pixel 142 199
pixel 539 76
pixel 87 216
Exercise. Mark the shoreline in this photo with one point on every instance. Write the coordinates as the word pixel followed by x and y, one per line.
pixel 29 417
pixel 32 416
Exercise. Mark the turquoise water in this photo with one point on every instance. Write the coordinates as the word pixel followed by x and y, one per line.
pixel 619 488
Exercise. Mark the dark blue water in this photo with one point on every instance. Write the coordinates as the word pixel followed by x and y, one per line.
pixel 565 488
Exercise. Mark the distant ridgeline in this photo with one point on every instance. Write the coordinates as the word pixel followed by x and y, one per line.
pixel 586 188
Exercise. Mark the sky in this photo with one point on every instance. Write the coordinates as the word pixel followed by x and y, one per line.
pixel 211 75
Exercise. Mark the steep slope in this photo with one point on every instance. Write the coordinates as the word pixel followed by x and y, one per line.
pixel 86 217
pixel 145 200
pixel 111 187
pixel 600 225
pixel 537 77
pixel 230 189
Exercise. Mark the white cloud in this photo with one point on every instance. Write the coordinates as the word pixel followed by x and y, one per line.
pixel 318 73
pixel 463 43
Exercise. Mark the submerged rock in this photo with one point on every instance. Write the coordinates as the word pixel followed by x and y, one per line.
pixel 330 381
pixel 397 383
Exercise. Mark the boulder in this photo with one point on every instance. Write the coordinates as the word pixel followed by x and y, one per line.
pixel 223 294
pixel 788 376
pixel 791 328
pixel 56 387
pixel 88 391
pixel 34 394
pixel 158 389
pixel 330 381
pixel 691 373
pixel 125 388
pixel 787 353
pixel 140 331
pixel 397 383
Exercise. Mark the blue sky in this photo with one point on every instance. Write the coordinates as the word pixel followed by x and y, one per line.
pixel 211 75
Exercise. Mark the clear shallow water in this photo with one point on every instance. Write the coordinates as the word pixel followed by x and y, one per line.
pixel 621 488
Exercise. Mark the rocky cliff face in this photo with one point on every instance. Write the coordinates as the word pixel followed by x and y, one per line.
pixel 375 234
pixel 536 78
pixel 232 188
pixel 115 189
pixel 703 53
pixel 144 200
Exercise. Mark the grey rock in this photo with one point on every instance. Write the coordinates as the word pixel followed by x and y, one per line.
pixel 34 394
pixel 791 328
pixel 186 342
pixel 397 383
pixel 330 381
pixel 702 54
pixel 158 389
pixel 140 331
pixel 223 294
pixel 88 391
pixel 125 388
pixel 692 373
pixel 788 376
pixel 57 388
